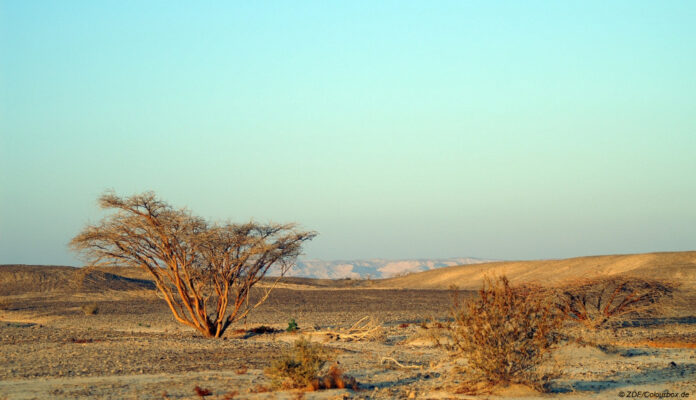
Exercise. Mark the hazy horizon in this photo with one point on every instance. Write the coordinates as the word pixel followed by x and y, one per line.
pixel 397 130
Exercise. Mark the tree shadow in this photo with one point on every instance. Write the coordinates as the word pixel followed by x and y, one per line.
pixel 402 381
pixel 673 372
pixel 647 322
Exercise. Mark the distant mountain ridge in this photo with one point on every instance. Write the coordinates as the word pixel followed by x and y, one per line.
pixel 374 268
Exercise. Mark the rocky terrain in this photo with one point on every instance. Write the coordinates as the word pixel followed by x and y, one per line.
pixel 52 346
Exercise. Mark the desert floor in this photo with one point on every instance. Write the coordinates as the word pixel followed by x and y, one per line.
pixel 133 349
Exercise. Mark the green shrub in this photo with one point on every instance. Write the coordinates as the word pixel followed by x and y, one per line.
pixel 505 333
pixel 292 326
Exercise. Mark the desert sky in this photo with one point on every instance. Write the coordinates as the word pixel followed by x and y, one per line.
pixel 396 129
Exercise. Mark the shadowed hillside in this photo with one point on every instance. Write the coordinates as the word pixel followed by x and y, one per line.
pixel 675 266
pixel 18 279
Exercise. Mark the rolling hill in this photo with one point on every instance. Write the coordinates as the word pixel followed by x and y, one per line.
pixel 19 279
pixel 673 266
pixel 677 267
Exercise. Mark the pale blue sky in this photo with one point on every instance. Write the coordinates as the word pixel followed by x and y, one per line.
pixel 509 130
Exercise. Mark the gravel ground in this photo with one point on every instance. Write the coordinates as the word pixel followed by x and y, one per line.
pixel 133 348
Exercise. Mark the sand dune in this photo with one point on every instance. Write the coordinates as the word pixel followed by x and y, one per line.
pixel 674 266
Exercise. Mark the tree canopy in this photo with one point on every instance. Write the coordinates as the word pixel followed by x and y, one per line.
pixel 204 270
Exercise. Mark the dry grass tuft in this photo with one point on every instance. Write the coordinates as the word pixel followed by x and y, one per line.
pixel 505 334
pixel 90 309
pixel 299 367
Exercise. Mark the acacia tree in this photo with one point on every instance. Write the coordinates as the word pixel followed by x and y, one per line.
pixel 204 271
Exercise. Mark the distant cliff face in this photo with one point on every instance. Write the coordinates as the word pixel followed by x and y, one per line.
pixel 373 268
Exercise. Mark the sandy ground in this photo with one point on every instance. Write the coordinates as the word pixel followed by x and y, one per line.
pixel 133 349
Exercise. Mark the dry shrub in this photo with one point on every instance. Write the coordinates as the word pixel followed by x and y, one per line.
pixel 242 370
pixel 202 393
pixel 230 395
pixel 334 379
pixel 90 309
pixel 299 367
pixel 595 302
pixel 505 334
pixel 259 389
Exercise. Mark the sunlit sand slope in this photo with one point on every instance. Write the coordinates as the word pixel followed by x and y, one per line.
pixel 675 266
